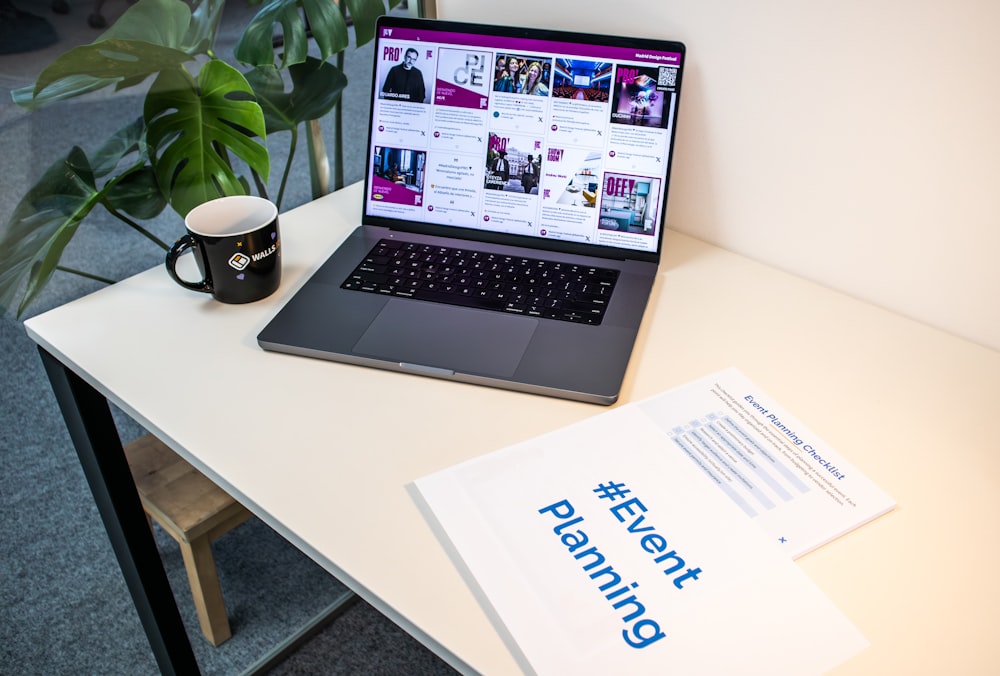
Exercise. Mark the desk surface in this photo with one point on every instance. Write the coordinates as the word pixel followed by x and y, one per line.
pixel 324 452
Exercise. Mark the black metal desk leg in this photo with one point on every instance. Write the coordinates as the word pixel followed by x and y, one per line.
pixel 88 417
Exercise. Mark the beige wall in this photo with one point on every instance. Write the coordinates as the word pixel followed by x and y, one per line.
pixel 856 143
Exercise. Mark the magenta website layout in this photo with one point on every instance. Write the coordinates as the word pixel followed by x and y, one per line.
pixel 530 137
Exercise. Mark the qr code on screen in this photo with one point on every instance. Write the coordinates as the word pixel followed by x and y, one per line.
pixel 667 77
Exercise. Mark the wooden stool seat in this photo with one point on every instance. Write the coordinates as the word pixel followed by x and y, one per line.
pixel 194 511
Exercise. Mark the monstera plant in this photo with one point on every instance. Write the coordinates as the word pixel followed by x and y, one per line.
pixel 203 126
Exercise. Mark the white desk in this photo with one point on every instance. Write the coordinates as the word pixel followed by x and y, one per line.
pixel 323 452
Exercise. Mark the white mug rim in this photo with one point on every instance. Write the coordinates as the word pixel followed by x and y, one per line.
pixel 257 210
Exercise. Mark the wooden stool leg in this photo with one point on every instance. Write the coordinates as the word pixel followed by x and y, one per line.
pixel 205 589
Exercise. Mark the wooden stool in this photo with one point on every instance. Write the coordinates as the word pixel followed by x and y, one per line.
pixel 194 511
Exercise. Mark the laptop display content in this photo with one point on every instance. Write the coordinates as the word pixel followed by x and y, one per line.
pixel 543 138
pixel 513 210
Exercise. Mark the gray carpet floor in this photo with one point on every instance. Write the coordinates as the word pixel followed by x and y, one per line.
pixel 64 607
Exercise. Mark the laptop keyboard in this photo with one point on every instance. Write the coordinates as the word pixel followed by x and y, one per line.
pixel 525 286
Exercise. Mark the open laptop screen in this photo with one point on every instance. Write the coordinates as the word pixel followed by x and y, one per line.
pixel 558 136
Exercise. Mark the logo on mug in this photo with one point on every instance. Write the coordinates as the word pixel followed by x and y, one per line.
pixel 239 261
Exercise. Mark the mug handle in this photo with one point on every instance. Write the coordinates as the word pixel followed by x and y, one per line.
pixel 180 246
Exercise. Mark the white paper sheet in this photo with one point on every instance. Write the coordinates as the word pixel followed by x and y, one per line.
pixel 604 548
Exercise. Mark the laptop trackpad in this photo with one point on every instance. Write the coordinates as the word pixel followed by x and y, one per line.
pixel 446 337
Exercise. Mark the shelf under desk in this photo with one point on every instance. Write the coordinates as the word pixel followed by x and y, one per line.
pixel 323 452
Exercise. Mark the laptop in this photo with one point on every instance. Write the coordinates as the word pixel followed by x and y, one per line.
pixel 513 210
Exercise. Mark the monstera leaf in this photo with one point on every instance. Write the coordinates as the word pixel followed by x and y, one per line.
pixel 135 190
pixel 192 126
pixel 151 36
pixel 45 220
pixel 256 46
pixel 205 18
pixel 316 89
pixel 136 193
pixel 202 123
pixel 323 21
pixel 364 14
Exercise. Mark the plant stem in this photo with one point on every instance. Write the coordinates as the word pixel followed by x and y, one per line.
pixel 85 274
pixel 319 163
pixel 338 136
pixel 261 187
pixel 138 228
pixel 293 144
pixel 338 119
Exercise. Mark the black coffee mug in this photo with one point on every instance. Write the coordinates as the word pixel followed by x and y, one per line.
pixel 237 248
